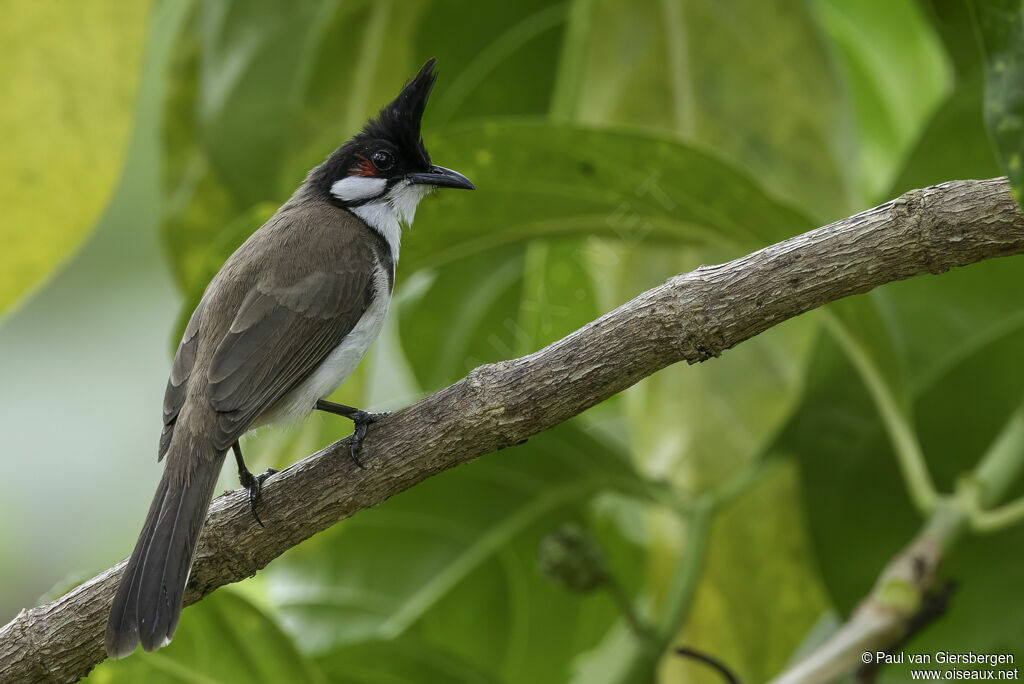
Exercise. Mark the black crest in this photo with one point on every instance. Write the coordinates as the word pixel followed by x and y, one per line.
pixel 400 120
pixel 396 128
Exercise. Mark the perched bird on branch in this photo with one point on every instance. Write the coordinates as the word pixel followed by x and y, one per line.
pixel 281 326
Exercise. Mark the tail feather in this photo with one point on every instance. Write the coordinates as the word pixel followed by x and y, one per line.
pixel 147 605
pixel 122 627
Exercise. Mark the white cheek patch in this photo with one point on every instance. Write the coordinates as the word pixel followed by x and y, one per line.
pixel 355 188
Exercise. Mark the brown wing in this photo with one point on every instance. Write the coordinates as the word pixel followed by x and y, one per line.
pixel 279 336
pixel 280 304
pixel 181 370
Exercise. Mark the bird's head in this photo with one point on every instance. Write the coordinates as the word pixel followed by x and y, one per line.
pixel 384 170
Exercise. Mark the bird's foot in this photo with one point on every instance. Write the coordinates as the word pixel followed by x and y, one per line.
pixel 362 420
pixel 254 483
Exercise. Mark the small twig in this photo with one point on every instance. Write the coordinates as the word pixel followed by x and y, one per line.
pixel 1000 518
pixel 995 474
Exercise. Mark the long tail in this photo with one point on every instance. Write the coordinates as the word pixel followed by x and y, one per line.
pixel 147 605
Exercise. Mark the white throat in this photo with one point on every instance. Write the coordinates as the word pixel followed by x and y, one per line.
pixel 390 211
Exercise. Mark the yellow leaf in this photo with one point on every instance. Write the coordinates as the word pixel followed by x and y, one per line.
pixel 68 77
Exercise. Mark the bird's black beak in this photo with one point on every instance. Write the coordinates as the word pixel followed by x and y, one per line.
pixel 441 177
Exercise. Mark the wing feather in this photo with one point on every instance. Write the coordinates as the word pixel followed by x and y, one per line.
pixel 279 336
pixel 177 383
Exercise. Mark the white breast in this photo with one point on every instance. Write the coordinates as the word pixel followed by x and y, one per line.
pixel 339 364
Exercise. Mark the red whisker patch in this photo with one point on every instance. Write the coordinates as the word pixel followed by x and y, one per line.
pixel 365 167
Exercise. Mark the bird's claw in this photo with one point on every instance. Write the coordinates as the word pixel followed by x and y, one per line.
pixel 362 420
pixel 254 483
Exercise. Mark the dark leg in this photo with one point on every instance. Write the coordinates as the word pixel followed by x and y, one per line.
pixel 254 483
pixel 361 418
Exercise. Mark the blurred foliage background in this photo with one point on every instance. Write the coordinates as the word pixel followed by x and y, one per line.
pixel 741 507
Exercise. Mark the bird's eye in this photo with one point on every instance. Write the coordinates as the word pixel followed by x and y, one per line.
pixel 383 160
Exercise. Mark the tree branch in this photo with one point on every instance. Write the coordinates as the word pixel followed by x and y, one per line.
pixel 691 317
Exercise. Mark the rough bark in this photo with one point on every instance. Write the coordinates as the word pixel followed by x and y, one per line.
pixel 692 317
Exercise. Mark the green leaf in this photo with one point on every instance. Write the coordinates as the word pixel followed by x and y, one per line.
pixel 558 293
pixel 523 298
pixel 537 179
pixel 452 562
pixel 760 570
pixel 252 80
pixel 223 638
pixel 408 661
pixel 898 74
pixel 950 19
pixel 475 325
pixel 1001 27
pixel 502 63
pixel 69 73
pixel 756 86
pixel 954 144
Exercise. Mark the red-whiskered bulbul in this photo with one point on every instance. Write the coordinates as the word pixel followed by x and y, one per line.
pixel 280 327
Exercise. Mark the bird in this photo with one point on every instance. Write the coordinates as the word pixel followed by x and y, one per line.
pixel 281 325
